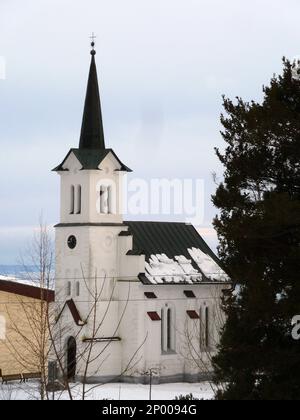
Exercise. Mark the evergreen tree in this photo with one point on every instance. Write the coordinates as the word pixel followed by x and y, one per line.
pixel 259 232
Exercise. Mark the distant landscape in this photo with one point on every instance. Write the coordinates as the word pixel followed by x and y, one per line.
pixel 15 271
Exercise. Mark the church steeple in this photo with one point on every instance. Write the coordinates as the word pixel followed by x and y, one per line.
pixel 92 134
pixel 91 152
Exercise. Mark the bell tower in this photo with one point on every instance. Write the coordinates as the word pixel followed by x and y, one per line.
pixel 91 174
pixel 90 205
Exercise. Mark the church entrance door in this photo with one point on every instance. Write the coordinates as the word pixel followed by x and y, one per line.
pixel 71 358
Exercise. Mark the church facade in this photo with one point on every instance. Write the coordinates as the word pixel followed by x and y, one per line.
pixel 136 298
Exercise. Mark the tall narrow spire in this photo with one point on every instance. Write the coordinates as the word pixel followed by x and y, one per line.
pixel 92 134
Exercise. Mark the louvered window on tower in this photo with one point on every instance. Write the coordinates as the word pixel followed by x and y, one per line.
pixel 78 199
pixel 72 199
pixel 103 199
pixel 109 200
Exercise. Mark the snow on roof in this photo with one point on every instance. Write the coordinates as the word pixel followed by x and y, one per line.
pixel 174 253
pixel 207 265
pixel 161 269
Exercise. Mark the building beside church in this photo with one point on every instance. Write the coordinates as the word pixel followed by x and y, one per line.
pixel 134 296
pixel 21 325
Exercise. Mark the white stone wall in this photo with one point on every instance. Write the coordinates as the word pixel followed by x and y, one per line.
pixel 99 263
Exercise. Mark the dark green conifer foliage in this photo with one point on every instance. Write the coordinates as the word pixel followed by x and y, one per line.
pixel 259 232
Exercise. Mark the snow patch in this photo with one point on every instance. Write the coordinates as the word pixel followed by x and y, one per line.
pixel 161 270
pixel 114 391
pixel 207 265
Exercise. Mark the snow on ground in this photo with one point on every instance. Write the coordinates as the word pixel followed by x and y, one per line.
pixel 114 391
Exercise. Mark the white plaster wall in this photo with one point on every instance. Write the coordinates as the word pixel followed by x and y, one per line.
pixel 137 325
pixel 90 181
pixel 95 262
pixel 99 262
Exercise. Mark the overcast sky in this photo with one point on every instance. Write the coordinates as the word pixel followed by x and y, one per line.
pixel 163 66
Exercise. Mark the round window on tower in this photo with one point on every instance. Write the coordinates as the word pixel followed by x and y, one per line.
pixel 72 242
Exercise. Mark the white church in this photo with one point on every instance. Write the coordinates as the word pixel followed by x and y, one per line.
pixel 136 297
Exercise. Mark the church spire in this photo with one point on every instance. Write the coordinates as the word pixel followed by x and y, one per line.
pixel 92 135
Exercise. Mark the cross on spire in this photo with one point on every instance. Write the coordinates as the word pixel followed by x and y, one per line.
pixel 93 37
pixel 92 134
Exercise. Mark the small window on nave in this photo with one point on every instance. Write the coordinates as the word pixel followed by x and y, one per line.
pixel 207 327
pixel 204 328
pixel 168 329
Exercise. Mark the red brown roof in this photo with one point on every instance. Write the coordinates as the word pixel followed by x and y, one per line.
pixel 26 290
pixel 74 312
pixel 193 314
pixel 189 294
pixel 154 316
pixel 150 295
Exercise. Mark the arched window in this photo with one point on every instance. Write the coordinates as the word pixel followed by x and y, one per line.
pixel 68 288
pixel 2 327
pixel 201 329
pixel 107 199
pixel 78 200
pixel 204 328
pixel 162 331
pixel 207 337
pixel 77 289
pixel 110 199
pixel 103 200
pixel 168 329
pixel 72 199
pixel 71 358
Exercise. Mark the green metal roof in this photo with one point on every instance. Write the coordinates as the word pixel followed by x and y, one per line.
pixel 91 159
pixel 170 238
